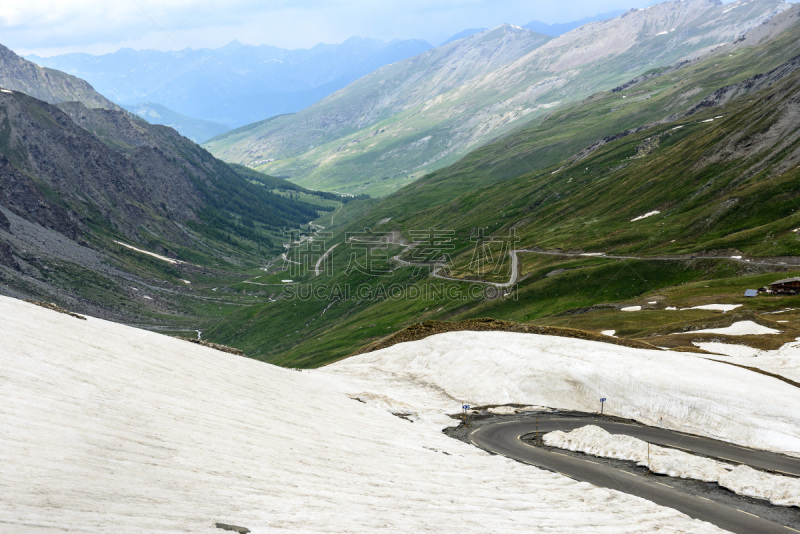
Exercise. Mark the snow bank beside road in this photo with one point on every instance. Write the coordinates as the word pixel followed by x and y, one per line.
pixel 779 490
pixel 106 428
pixel 436 374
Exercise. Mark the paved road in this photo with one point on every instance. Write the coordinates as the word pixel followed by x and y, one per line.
pixel 318 265
pixel 504 438
pixel 515 263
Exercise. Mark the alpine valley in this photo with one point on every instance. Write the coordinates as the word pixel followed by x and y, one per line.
pixel 353 312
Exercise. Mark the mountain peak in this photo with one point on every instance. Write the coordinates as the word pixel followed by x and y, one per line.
pixel 233 45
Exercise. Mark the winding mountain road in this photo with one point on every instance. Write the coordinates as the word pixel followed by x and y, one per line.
pixel 515 263
pixel 505 438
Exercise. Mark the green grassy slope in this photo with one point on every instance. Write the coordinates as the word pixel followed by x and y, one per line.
pixel 655 97
pixel 724 178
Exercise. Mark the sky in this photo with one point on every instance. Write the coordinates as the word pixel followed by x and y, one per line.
pixel 50 27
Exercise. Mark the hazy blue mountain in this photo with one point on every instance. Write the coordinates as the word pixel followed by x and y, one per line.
pixel 197 130
pixel 554 30
pixel 236 84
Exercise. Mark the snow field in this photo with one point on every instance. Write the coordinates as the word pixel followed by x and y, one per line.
pixel 785 361
pixel 692 394
pixel 780 490
pixel 108 428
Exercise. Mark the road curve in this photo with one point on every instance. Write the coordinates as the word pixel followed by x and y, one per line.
pixel 504 438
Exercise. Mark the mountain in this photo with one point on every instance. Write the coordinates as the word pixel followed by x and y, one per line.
pixel 678 188
pixel 560 28
pixel 236 84
pixel 374 111
pixel 574 132
pixel 553 30
pixel 97 204
pixel 387 130
pixel 195 129
pixel 45 84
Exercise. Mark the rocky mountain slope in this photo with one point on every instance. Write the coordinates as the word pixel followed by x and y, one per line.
pixel 660 95
pixel 89 196
pixel 377 134
pixel 45 84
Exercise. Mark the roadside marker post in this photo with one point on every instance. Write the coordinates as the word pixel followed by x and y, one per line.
pixel 601 405
pixel 465 407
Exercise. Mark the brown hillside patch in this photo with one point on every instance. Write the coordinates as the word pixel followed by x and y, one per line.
pixel 429 328
pixel 55 307
pixel 762 372
pixel 693 349
pixel 215 346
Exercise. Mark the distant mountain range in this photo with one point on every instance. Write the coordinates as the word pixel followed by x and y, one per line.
pixel 203 93
pixel 236 84
pixel 417 115
pixel 554 30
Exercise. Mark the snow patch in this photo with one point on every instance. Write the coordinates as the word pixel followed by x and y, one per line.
pixel 779 490
pixel 646 215
pixel 502 410
pixel 716 307
pixel 609 333
pixel 741 328
pixel 153 254
pixel 784 362
pixel 728 349
pixel 631 308
pixel 6 91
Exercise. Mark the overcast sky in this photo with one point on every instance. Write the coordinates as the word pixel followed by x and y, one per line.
pixel 48 27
